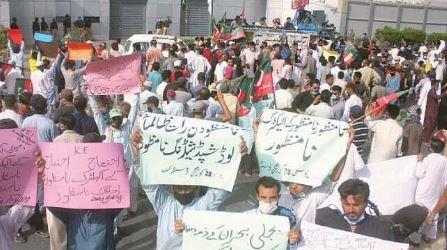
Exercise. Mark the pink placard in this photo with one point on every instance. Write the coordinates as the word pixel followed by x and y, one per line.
pixel 18 172
pixel 118 75
pixel 85 175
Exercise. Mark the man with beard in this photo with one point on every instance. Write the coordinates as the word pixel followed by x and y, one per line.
pixel 170 202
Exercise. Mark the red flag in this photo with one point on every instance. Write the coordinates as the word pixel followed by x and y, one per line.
pixel 299 4
pixel 15 35
pixel 263 80
pixel 5 68
pixel 380 104
pixel 246 90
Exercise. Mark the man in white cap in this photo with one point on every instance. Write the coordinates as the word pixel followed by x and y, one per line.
pixel 119 132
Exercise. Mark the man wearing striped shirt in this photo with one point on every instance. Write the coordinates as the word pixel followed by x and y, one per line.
pixel 361 130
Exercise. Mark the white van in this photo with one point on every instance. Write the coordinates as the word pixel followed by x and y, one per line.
pixel 145 39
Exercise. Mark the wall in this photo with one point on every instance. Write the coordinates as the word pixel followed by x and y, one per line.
pixel 163 8
pixel 254 9
pixel 26 10
pixel 366 17
pixel 4 13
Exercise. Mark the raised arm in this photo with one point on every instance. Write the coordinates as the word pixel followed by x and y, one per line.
pixel 227 114
pixel 99 119
pixel 156 194
pixel 133 113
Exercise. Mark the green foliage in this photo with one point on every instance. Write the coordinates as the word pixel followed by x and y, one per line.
pixel 436 37
pixel 413 36
pixel 187 39
pixel 3 37
pixel 388 34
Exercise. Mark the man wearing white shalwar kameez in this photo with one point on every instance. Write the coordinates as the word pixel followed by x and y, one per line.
pixel 432 175
pixel 199 65
pixel 424 85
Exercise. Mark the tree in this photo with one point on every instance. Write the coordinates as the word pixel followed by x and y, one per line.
pixel 413 36
pixel 388 34
pixel 436 37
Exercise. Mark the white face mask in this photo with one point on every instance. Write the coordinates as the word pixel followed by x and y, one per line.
pixel 267 208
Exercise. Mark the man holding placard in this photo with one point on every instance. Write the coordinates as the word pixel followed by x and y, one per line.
pixel 205 170
pixel 267 192
pixel 18 214
pixel 88 228
pixel 119 132
pixel 354 195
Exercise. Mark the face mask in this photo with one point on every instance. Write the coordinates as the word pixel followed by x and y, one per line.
pixel 184 199
pixel 267 208
pixel 314 93
pixel 356 221
pixel 299 197
pixel 334 97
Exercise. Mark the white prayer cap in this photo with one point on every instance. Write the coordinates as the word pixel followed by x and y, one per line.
pixel 177 63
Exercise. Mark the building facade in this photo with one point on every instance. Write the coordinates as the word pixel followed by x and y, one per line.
pixel 121 18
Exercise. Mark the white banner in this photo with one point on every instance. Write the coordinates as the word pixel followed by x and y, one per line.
pixel 221 230
pixel 299 148
pixel 316 237
pixel 392 184
pixel 186 151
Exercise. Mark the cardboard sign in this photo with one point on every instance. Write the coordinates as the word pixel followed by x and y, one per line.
pixel 18 185
pixel 85 175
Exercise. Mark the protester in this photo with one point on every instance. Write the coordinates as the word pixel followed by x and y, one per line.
pixel 85 124
pixel 354 196
pixel 303 200
pixel 16 215
pixel 352 100
pixel 387 141
pixel 430 117
pixel 153 54
pixel 337 103
pixel 268 193
pixel 432 175
pixel 412 132
pixel 46 128
pixel 170 206
pixel 155 77
pixel 360 128
pixel 321 106
pixel 9 112
pixel 283 97
pixel 234 81
pixel 16 53
pixel 72 75
pixel 66 105
pixel 174 107
pixel 8 86
pixel 304 99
